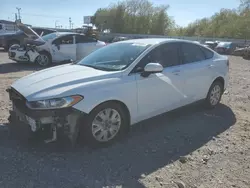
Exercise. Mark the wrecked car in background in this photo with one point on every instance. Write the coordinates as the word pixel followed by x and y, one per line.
pixel 18 38
pixel 53 48
pixel 246 52
pixel 211 44
pixel 226 48
pixel 239 51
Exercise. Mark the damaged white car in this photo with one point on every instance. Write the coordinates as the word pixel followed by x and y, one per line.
pixel 99 97
pixel 53 48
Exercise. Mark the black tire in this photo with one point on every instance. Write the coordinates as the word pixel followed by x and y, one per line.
pixel 208 101
pixel 45 55
pixel 86 128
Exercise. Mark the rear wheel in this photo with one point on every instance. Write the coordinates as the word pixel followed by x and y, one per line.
pixel 43 59
pixel 214 94
pixel 105 124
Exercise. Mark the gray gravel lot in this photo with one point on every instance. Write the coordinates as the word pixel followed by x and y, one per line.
pixel 190 147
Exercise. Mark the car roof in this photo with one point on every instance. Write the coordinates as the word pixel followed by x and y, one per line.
pixel 68 33
pixel 225 42
pixel 153 41
pixel 43 28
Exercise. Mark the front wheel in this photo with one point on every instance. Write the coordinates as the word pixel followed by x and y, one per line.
pixel 214 94
pixel 105 124
pixel 43 59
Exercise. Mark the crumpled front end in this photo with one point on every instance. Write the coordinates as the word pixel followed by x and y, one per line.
pixel 51 125
pixel 24 53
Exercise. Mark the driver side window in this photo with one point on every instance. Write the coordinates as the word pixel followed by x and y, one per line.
pixel 64 40
pixel 166 54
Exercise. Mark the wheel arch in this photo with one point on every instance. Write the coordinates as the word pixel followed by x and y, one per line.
pixel 221 80
pixel 122 104
pixel 47 52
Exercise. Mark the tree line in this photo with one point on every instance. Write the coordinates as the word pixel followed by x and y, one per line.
pixel 143 17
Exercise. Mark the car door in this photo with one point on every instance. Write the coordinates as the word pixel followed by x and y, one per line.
pixel 159 92
pixel 64 48
pixel 84 46
pixel 196 70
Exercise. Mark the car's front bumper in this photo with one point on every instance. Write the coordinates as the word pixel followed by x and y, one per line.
pixel 18 55
pixel 53 125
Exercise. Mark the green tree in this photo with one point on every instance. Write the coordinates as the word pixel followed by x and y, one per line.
pixel 134 16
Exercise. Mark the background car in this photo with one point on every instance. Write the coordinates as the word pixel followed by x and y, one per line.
pixel 226 47
pixel 9 39
pixel 246 52
pixel 239 51
pixel 117 39
pixel 211 44
pixel 55 47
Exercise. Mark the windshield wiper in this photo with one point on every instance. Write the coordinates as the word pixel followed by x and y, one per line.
pixel 99 68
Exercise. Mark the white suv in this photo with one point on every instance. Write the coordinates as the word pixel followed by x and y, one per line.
pixel 117 86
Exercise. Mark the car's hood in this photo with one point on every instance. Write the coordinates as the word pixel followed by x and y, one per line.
pixel 58 81
pixel 28 31
pixel 36 42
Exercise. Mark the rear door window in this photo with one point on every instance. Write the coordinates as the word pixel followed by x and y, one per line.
pixel 191 53
pixel 208 53
pixel 68 39
pixel 84 39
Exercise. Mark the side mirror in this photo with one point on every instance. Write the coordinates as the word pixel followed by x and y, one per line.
pixel 151 68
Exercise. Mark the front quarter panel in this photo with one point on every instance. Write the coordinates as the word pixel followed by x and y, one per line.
pixel 121 89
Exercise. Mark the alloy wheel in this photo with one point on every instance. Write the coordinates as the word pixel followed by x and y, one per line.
pixel 43 60
pixel 215 95
pixel 106 125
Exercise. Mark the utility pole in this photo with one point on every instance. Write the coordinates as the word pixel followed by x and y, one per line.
pixel 15 17
pixel 18 11
pixel 69 23
pixel 72 25
pixel 56 23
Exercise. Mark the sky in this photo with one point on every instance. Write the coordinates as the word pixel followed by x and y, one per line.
pixel 48 13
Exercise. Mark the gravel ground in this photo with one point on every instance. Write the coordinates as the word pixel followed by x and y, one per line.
pixel 190 147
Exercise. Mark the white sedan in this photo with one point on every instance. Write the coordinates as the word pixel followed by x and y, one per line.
pixel 53 48
pixel 117 86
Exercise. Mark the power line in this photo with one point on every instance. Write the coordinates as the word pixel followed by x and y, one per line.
pixel 42 15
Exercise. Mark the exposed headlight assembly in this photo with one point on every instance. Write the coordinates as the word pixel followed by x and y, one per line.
pixel 56 103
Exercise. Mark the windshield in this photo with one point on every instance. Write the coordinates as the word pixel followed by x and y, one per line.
pixel 114 57
pixel 49 36
pixel 224 44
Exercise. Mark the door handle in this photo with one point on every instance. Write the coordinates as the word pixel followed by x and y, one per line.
pixel 176 72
